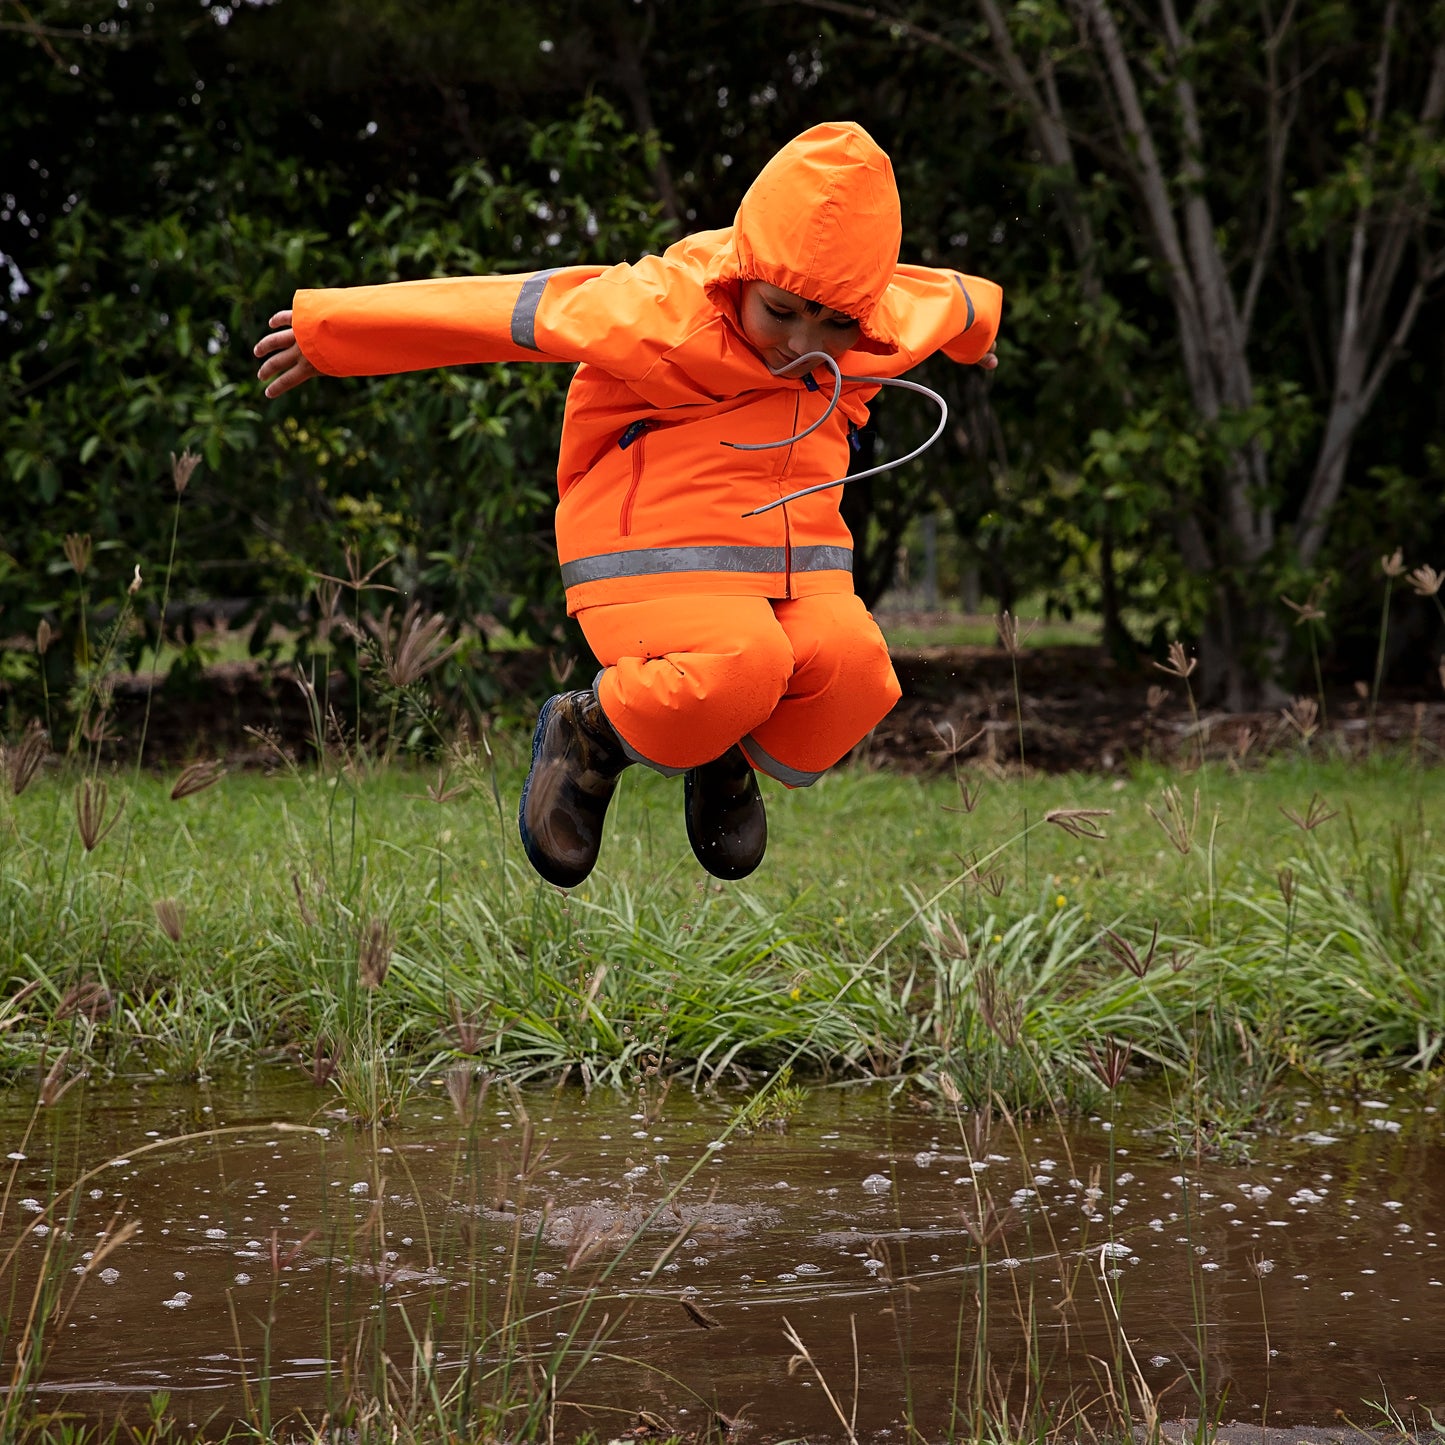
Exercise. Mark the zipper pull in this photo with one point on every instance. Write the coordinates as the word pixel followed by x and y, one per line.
pixel 632 433
pixel 854 440
pixel 809 381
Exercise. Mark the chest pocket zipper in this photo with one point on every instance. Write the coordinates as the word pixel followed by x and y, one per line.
pixel 634 439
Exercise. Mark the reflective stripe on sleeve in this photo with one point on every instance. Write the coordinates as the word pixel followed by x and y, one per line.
pixel 524 312
pixel 967 298
pixel 764 762
pixel 653 561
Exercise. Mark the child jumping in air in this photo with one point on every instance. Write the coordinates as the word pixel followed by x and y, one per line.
pixel 727 629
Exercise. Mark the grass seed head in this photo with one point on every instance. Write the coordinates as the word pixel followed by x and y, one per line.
pixel 77 551
pixel 54 1086
pixel 1180 663
pixel 92 798
pixel 1303 716
pixel 1307 611
pixel 1079 822
pixel 181 469
pixel 1393 565
pixel 1427 581
pixel 1010 639
pixel 89 999
pixel 1178 826
pixel 415 648
pixel 1110 1065
pixel 27 757
pixel 197 778
pixel 45 634
pixel 374 953
pixel 135 582
pixel 172 918
pixel 1317 813
pixel 1155 697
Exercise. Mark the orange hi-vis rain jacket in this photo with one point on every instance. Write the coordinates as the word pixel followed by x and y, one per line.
pixel 651 501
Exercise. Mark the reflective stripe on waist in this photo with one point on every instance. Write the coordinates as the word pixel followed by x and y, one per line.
pixel 651 561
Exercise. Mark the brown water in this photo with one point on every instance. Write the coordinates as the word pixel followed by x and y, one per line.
pixel 1295 1287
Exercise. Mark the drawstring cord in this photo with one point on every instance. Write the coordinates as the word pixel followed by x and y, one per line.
pixel 822 357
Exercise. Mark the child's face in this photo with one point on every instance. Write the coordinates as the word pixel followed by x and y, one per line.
pixel 783 327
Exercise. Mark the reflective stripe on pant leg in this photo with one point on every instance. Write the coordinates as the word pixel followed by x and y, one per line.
pixel 764 762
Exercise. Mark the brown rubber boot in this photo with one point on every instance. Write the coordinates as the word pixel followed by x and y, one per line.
pixel 576 758
pixel 726 823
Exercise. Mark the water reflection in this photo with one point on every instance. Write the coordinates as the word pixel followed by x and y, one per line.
pixel 284 1264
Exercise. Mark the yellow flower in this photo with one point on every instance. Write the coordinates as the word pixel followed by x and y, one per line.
pixel 795 994
pixel 998 938
pixel 1060 901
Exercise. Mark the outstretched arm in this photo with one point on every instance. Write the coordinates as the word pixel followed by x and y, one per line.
pixel 285 365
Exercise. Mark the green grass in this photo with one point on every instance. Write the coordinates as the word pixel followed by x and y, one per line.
pixel 888 932
pixel 959 629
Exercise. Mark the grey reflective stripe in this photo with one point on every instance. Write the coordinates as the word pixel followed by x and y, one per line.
pixel 524 313
pixel 656 561
pixel 967 298
pixel 765 762
pixel 822 559
pixel 651 561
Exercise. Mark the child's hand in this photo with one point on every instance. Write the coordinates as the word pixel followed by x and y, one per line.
pixel 988 361
pixel 284 360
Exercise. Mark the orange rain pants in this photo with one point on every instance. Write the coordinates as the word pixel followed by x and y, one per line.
pixel 797 682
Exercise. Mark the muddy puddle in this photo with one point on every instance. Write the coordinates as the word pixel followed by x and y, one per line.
pixel 272 1269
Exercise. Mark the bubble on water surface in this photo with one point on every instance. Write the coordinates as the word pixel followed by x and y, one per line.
pixel 16 1155
pixel 1386 1126
pixel 924 1159
pixel 1316 1138
pixel 215 1234
pixel 109 1276
pixel 33 1206
pixel 361 1187
pixel 1115 1251
pixel 1158 1361
pixel 808 1268
pixel 1392 1204
pixel 544 1276
pixel 640 1172
pixel 177 1301
pixel 877 1184
pixel 243 1279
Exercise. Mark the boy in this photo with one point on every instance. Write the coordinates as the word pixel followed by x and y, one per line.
pixel 729 643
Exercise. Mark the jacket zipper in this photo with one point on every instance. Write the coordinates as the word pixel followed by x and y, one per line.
pixel 634 439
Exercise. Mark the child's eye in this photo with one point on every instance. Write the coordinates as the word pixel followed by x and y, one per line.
pixel 774 312
pixel 842 323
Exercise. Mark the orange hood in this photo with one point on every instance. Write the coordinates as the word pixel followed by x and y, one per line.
pixel 822 220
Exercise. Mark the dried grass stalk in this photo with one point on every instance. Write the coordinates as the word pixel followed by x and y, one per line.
pixel 374 953
pixel 26 759
pixel 171 916
pixel 92 798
